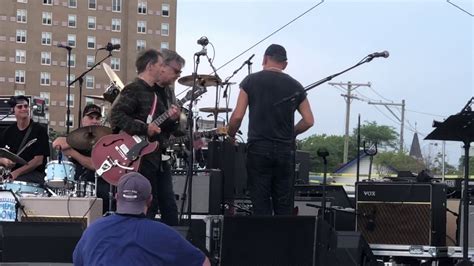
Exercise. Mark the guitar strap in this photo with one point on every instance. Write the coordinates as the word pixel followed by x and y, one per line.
pixel 26 136
pixel 152 110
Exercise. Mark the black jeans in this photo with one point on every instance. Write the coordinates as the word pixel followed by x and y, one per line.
pixel 270 170
pixel 162 191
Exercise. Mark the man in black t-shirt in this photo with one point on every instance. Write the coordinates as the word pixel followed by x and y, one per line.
pixel 271 132
pixel 13 139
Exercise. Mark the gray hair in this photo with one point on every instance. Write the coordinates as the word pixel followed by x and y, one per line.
pixel 169 56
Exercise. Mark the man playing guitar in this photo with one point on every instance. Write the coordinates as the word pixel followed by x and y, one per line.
pixel 19 139
pixel 141 101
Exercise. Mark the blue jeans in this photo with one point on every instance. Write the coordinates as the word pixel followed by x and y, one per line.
pixel 162 191
pixel 270 170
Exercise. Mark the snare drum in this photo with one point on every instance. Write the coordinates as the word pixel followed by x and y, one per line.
pixel 60 175
pixel 84 189
pixel 24 189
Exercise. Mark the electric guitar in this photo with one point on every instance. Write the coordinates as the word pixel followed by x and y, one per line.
pixel 117 154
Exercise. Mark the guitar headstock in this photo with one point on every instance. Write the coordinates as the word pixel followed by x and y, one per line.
pixel 198 91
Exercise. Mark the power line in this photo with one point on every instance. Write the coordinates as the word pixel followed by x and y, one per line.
pixel 271 34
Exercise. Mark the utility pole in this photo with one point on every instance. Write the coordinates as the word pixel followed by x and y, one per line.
pixel 400 119
pixel 348 97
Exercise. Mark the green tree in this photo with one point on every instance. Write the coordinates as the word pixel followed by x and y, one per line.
pixel 399 161
pixel 461 165
pixel 371 132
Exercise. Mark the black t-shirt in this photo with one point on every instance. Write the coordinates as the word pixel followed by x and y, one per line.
pixel 267 121
pixel 82 173
pixel 12 137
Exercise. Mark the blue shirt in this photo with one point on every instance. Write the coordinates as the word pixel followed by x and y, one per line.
pixel 131 240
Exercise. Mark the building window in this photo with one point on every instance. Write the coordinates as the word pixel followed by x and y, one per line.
pixel 90 61
pixel 48 2
pixel 20 56
pixel 46 38
pixel 71 21
pixel 71 40
pixel 19 92
pixel 22 1
pixel 165 45
pixel 115 41
pixel 45 96
pixel 47 18
pixel 142 7
pixel 45 79
pixel 72 60
pixel 21 15
pixel 165 10
pixel 165 29
pixel 90 42
pixel 46 58
pixel 116 5
pixel 71 119
pixel 91 23
pixel 141 45
pixel 72 77
pixel 21 36
pixel 116 24
pixel 115 63
pixel 141 26
pixel 72 3
pixel 90 82
pixel 92 4
pixel 20 76
pixel 71 100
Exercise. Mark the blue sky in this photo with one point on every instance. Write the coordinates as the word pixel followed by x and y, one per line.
pixel 430 64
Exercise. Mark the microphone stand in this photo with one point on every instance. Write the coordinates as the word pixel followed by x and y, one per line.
pixel 7 115
pixel 81 79
pixel 226 81
pixel 324 80
pixel 217 89
pixel 189 174
pixel 68 112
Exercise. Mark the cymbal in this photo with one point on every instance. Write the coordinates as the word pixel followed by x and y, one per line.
pixel 113 76
pixel 11 156
pixel 203 80
pixel 214 110
pixel 96 97
pixel 84 138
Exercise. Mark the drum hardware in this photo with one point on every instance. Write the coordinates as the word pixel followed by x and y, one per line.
pixel 202 80
pixel 96 97
pixel 24 189
pixel 116 85
pixel 215 110
pixel 84 138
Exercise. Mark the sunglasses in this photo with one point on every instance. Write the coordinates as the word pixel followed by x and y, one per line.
pixel 21 106
pixel 176 70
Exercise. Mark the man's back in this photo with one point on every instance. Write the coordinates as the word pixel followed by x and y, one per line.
pixel 133 240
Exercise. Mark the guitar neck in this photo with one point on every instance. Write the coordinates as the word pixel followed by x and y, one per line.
pixel 196 135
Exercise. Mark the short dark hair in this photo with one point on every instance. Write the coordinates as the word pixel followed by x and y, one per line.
pixel 145 57
pixel 276 52
pixel 15 99
pixel 170 56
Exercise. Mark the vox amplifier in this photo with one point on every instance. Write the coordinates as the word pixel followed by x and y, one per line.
pixel 401 213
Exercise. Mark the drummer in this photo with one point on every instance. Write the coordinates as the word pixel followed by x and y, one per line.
pixel 85 171
pixel 17 137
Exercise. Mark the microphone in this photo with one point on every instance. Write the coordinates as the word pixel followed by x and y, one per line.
pixel 203 41
pixel 60 45
pixel 384 54
pixel 248 60
pixel 110 47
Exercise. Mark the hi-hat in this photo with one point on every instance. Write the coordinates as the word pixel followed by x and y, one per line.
pixel 96 97
pixel 202 80
pixel 214 110
pixel 11 156
pixel 113 76
pixel 84 138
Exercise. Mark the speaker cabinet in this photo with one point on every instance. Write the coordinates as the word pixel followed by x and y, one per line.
pixel 268 240
pixel 352 249
pixel 206 192
pixel 38 242
pixel 402 213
